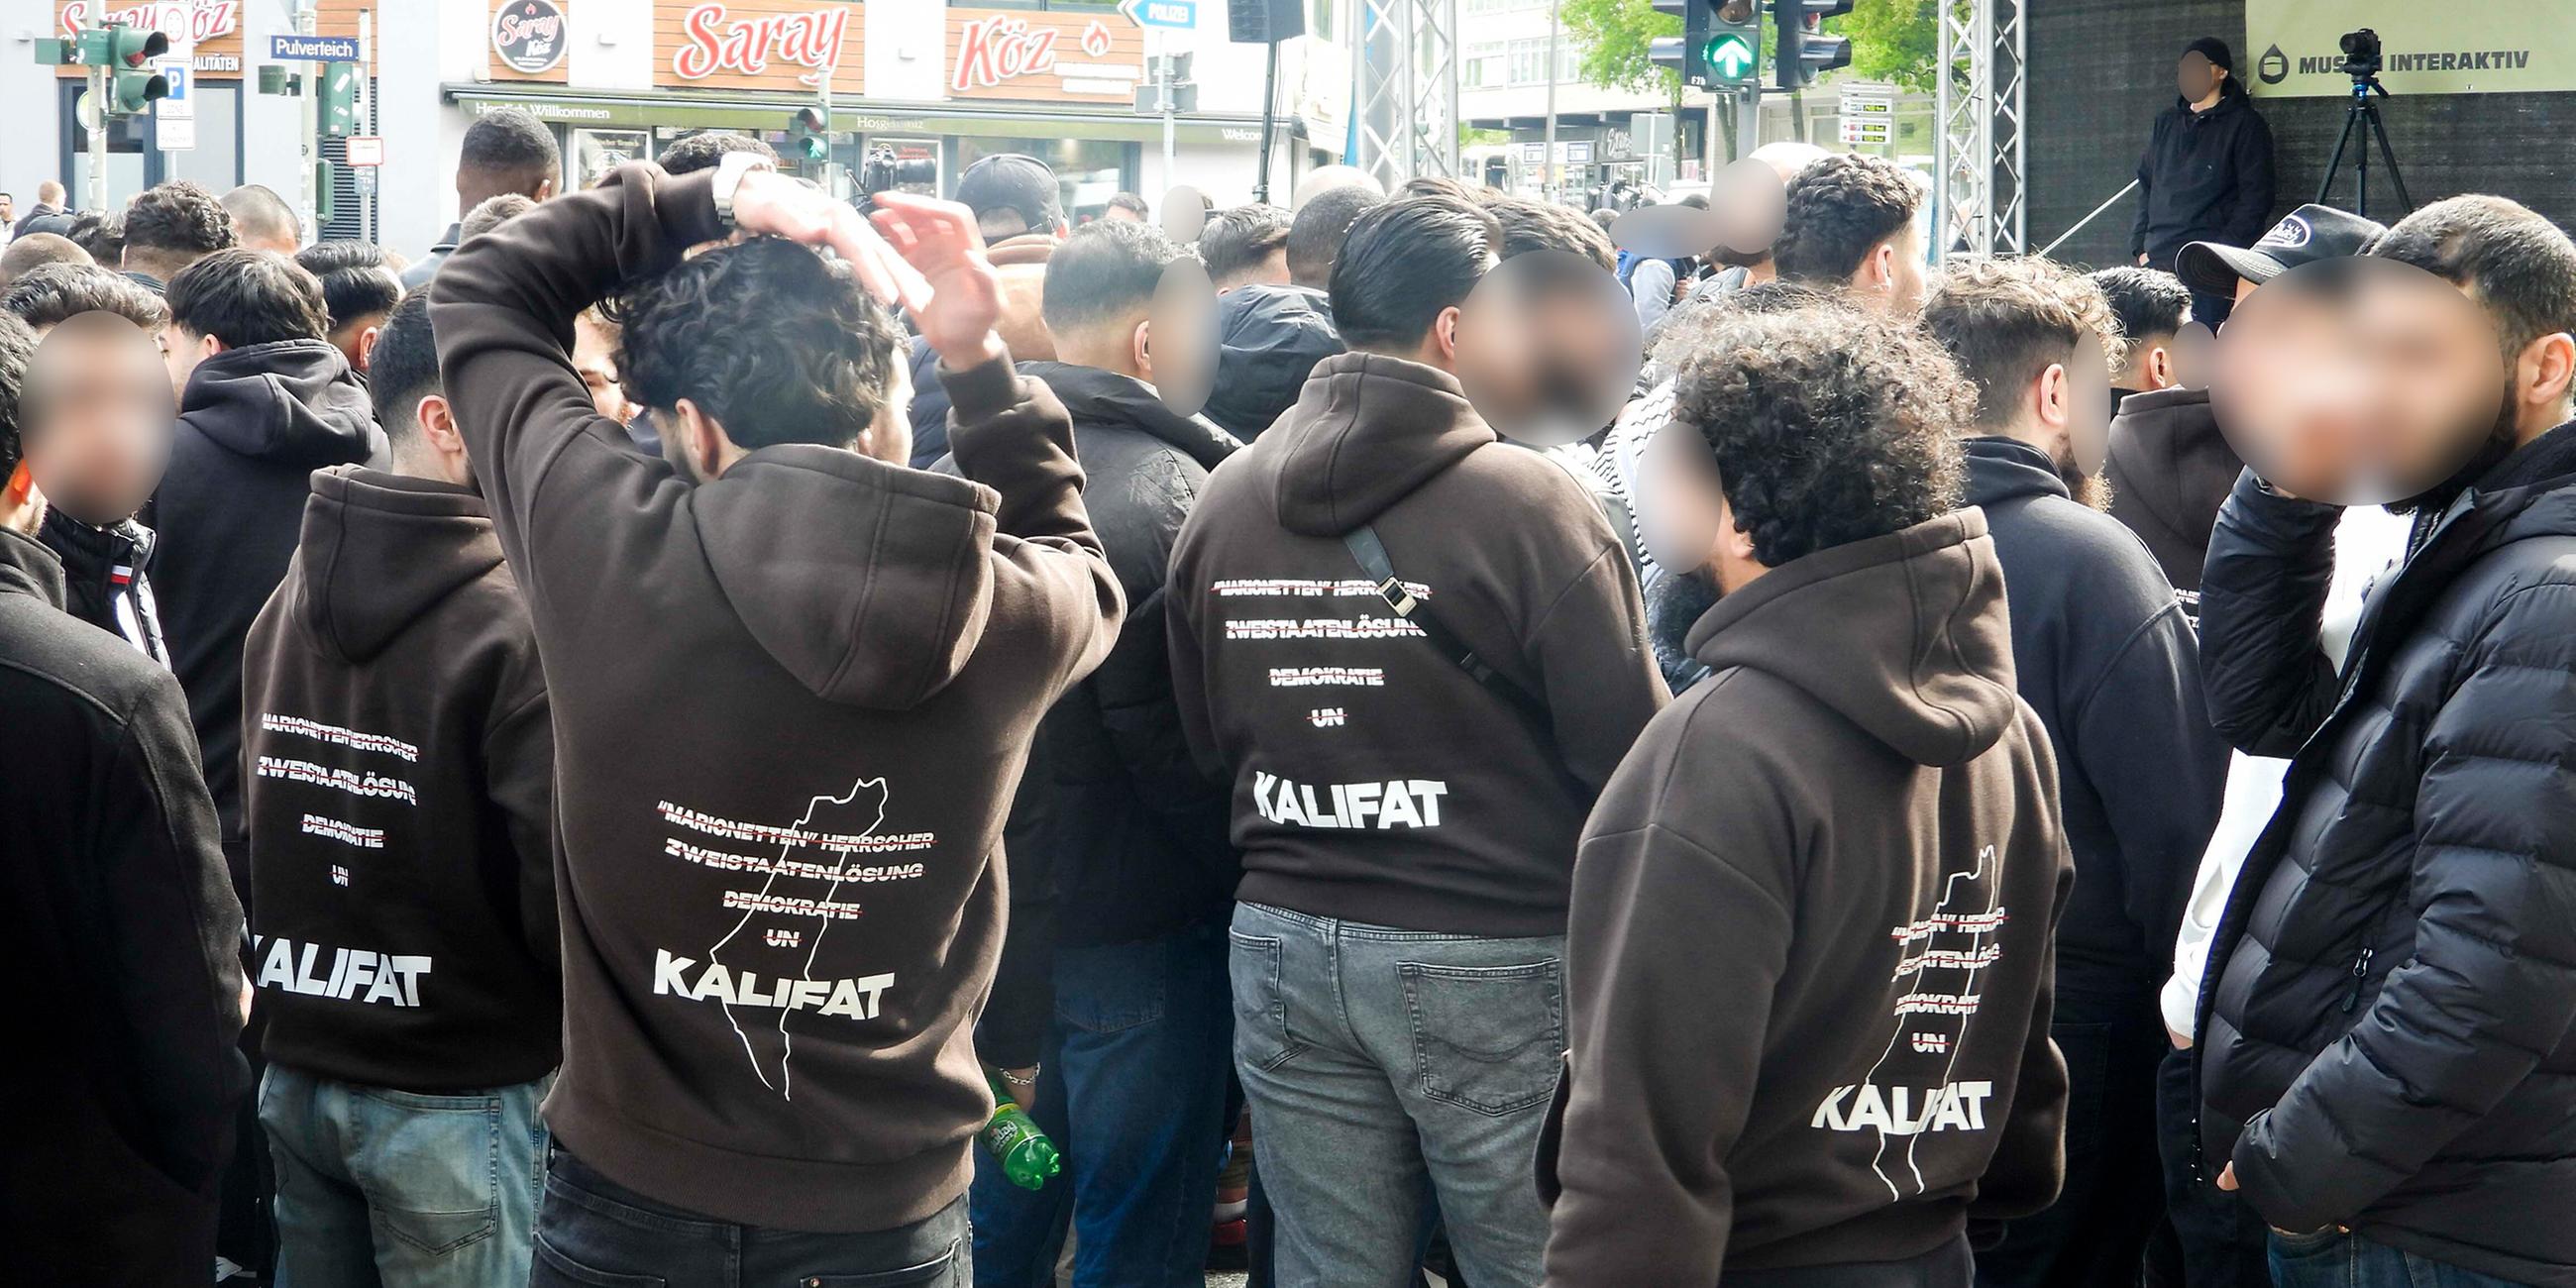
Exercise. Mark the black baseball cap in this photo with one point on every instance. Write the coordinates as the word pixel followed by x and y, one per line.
pixel 2303 236
pixel 1015 182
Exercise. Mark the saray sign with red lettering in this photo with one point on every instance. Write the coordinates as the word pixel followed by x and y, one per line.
pixel 214 26
pixel 1080 57
pixel 759 44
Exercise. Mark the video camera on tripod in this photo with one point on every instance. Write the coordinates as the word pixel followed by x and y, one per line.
pixel 2362 60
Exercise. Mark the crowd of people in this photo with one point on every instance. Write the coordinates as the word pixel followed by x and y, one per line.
pixel 610 753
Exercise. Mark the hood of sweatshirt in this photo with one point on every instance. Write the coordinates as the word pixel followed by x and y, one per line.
pixel 1094 396
pixel 1905 635
pixel 2168 457
pixel 2006 469
pixel 379 550
pixel 28 568
pixel 293 402
pixel 1269 339
pixel 1366 431
pixel 778 530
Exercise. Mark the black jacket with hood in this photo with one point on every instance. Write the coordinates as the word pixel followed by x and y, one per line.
pixel 2388 1022
pixel 253 426
pixel 1374 778
pixel 400 801
pixel 1269 338
pixel 2205 176
pixel 2169 470
pixel 781 921
pixel 120 938
pixel 1808 975
pixel 2104 655
pixel 107 574
pixel 1115 836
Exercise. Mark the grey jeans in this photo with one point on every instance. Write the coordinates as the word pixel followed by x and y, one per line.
pixel 1376 1060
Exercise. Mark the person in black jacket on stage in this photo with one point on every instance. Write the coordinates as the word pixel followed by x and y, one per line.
pixel 119 932
pixel 2207 172
pixel 1118 843
pixel 2387 1054
pixel 2102 652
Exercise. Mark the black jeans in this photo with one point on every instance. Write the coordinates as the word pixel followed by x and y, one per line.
pixel 2095 1235
pixel 594 1233
pixel 1947 1266
pixel 2224 1244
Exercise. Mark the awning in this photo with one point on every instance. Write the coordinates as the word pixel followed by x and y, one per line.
pixel 748 110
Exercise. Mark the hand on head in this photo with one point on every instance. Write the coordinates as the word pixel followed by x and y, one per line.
pixel 917 252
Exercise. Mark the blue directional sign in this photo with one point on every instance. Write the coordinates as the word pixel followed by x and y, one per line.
pixel 1182 14
pixel 313 49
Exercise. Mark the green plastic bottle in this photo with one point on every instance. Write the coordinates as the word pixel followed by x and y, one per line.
pixel 1025 1153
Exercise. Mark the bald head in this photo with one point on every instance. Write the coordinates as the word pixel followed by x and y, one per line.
pixel 262 220
pixel 34 251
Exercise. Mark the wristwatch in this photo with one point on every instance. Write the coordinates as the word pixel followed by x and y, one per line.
pixel 729 173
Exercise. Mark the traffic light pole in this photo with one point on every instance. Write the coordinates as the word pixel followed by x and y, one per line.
pixel 97 77
pixel 309 107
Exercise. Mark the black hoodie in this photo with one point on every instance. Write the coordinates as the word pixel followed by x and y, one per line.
pixel 1808 979
pixel 120 939
pixel 2205 176
pixel 1374 778
pixel 400 804
pixel 1115 835
pixel 790 707
pixel 2170 469
pixel 107 575
pixel 253 426
pixel 2104 655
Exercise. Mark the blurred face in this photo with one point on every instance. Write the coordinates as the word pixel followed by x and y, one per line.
pixel 1548 348
pixel 594 355
pixel 98 416
pixel 2196 76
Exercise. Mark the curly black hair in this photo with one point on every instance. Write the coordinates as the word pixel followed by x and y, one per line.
pixel 765 338
pixel 1830 424
pixel 47 297
pixel 705 148
pixel 178 220
pixel 1838 210
pixel 2145 301
pixel 101 234
pixel 17 353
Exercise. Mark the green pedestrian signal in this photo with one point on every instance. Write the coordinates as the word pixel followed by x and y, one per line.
pixel 1731 56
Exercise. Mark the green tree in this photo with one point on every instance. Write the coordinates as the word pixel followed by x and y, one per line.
pixel 1893 40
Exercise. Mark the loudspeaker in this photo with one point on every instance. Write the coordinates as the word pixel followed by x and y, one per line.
pixel 1264 22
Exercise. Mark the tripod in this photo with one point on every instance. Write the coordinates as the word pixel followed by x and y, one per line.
pixel 2362 116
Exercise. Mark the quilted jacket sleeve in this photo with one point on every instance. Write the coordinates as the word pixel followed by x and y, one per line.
pixel 2262 598
pixel 2492 986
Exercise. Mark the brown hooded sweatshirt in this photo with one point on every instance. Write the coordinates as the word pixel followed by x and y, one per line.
pixel 1374 778
pixel 398 765
pixel 1809 968
pixel 790 707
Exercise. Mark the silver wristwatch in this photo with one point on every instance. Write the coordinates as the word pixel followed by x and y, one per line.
pixel 729 173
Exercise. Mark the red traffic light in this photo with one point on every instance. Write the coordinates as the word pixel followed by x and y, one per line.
pixel 154 45
pixel 809 118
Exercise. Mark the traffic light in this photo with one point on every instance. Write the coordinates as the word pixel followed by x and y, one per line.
pixel 809 134
pixel 125 54
pixel 1805 51
pixel 337 108
pixel 1720 44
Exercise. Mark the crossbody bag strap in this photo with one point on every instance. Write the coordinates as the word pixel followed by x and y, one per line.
pixel 1365 547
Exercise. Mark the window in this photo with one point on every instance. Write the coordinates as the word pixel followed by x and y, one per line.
pixel 1322 22
pixel 1525 62
pixel 1483 66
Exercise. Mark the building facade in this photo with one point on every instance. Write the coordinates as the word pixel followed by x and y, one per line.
pixel 918 80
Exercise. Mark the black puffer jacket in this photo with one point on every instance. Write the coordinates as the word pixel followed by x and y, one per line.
pixel 1269 339
pixel 2388 1026
pixel 1114 836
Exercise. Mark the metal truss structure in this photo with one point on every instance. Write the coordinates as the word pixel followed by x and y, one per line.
pixel 1978 200
pixel 1404 68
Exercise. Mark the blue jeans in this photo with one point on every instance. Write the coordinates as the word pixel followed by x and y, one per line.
pixel 1133 1092
pixel 595 1233
pixel 2334 1259
pixel 377 1186
pixel 1377 1059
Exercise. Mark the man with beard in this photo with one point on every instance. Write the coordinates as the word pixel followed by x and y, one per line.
pixel 2387 1055
pixel 2102 652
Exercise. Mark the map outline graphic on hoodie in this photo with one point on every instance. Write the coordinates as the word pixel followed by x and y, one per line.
pixel 736 983
pixel 1917 1015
